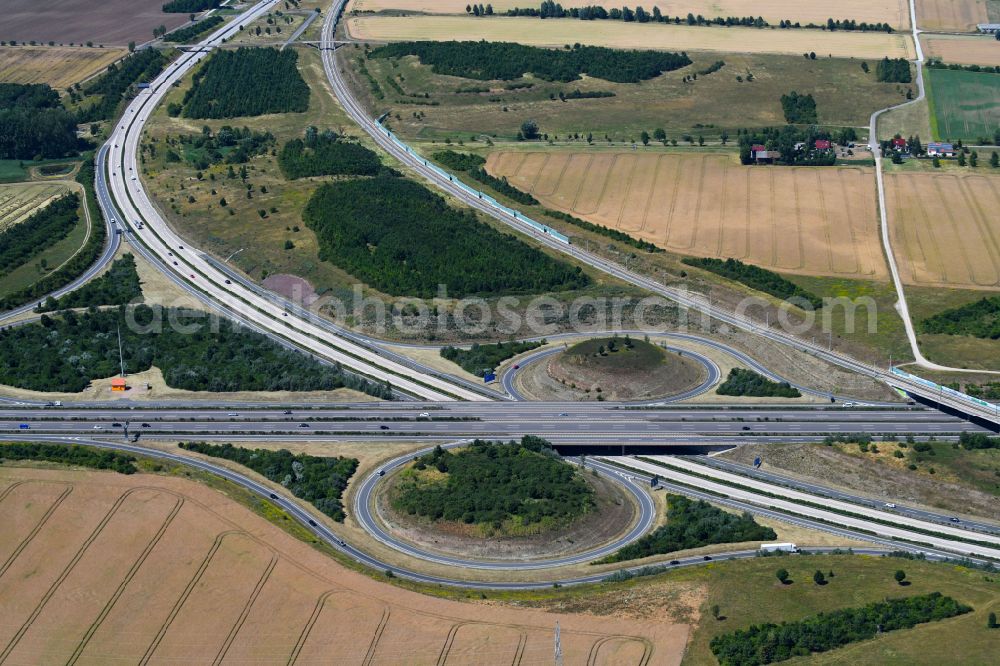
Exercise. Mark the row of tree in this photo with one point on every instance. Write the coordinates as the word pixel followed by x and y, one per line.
pixel 481 359
pixel 247 82
pixel 76 455
pixel 326 154
pixel 187 35
pixel 506 61
pixel 692 524
pixel 768 643
pixel 189 6
pixel 491 483
pixel 119 286
pixel 757 278
pixel 66 352
pixel 403 239
pixel 550 9
pixel 979 319
pixel 321 481
pixel 750 383
pixel 20 242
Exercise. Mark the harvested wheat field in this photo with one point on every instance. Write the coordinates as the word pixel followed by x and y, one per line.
pixel 810 221
pixel 893 12
pixel 98 567
pixel 951 15
pixel 60 67
pixel 944 229
pixel 963 49
pixel 618 34
pixel 19 201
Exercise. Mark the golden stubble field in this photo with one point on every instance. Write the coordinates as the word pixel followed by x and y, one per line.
pixel 809 221
pixel 618 34
pixel 951 15
pixel 97 568
pixel 944 228
pixel 60 67
pixel 893 12
pixel 19 201
pixel 963 49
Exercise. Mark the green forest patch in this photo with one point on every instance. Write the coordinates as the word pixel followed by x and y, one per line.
pixel 965 105
pixel 499 489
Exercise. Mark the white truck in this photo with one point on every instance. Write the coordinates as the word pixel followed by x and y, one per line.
pixel 779 548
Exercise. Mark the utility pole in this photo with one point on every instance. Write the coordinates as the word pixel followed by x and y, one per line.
pixel 121 356
pixel 558 647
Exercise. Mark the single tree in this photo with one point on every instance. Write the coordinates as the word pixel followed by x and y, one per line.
pixel 660 135
pixel 819 578
pixel 645 137
pixel 937 162
pixel 995 157
pixel 974 159
pixel 900 576
pixel 715 611
pixel 991 622
pixel 961 159
pixel 131 47
pixel 529 130
pixel 782 576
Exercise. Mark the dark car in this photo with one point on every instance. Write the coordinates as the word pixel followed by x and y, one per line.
pixel 312 522
pixel 383 427
pixel 273 496
pixel 674 563
pixel 145 425
pixel 116 425
pixel 954 519
pixel 707 558
pixel 228 282
pixel 381 472
pixel 303 425
pixel 287 411
pixel 745 428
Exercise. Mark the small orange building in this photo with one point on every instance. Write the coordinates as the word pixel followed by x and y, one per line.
pixel 118 384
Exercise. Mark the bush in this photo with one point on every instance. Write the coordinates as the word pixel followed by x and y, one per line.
pixel 80 456
pixel 321 481
pixel 980 319
pixel 483 358
pixel 691 524
pixel 757 278
pixel 750 383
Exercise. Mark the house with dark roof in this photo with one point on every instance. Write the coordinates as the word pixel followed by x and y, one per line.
pixel 935 149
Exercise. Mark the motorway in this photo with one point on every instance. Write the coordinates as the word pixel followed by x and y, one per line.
pixel 473 199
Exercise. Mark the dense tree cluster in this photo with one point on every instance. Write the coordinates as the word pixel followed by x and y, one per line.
pixel 799 109
pixel 79 456
pixel 750 383
pixel 692 524
pixel 979 319
pixel 321 481
pixel 507 60
pixel 190 6
pixel 615 234
pixel 757 278
pixel 971 441
pixel 458 161
pixel 20 242
pixel 66 352
pixel 481 359
pixel 491 483
pixel 119 286
pixel 896 70
pixel 187 35
pixel 769 643
pixel 247 82
pixel 117 84
pixel 232 145
pixel 33 124
pixel 403 239
pixel 326 154
pixel 987 391
pixel 80 261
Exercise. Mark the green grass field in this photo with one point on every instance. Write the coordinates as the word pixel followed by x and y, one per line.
pixel 844 93
pixel 964 105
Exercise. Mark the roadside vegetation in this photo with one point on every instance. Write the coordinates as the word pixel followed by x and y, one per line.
pixel 247 82
pixel 190 33
pixel 744 382
pixel 473 166
pixel 189 6
pixel 980 319
pixel 76 455
pixel 118 286
pixel 691 524
pixel 757 278
pixel 321 481
pixel 502 487
pixel 403 239
pixel 506 61
pixel 481 359
pixel 103 98
pixel 66 352
pixel 769 643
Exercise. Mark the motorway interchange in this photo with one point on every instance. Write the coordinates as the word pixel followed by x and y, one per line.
pixel 458 409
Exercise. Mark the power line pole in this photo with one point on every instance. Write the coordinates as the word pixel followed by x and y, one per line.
pixel 558 652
